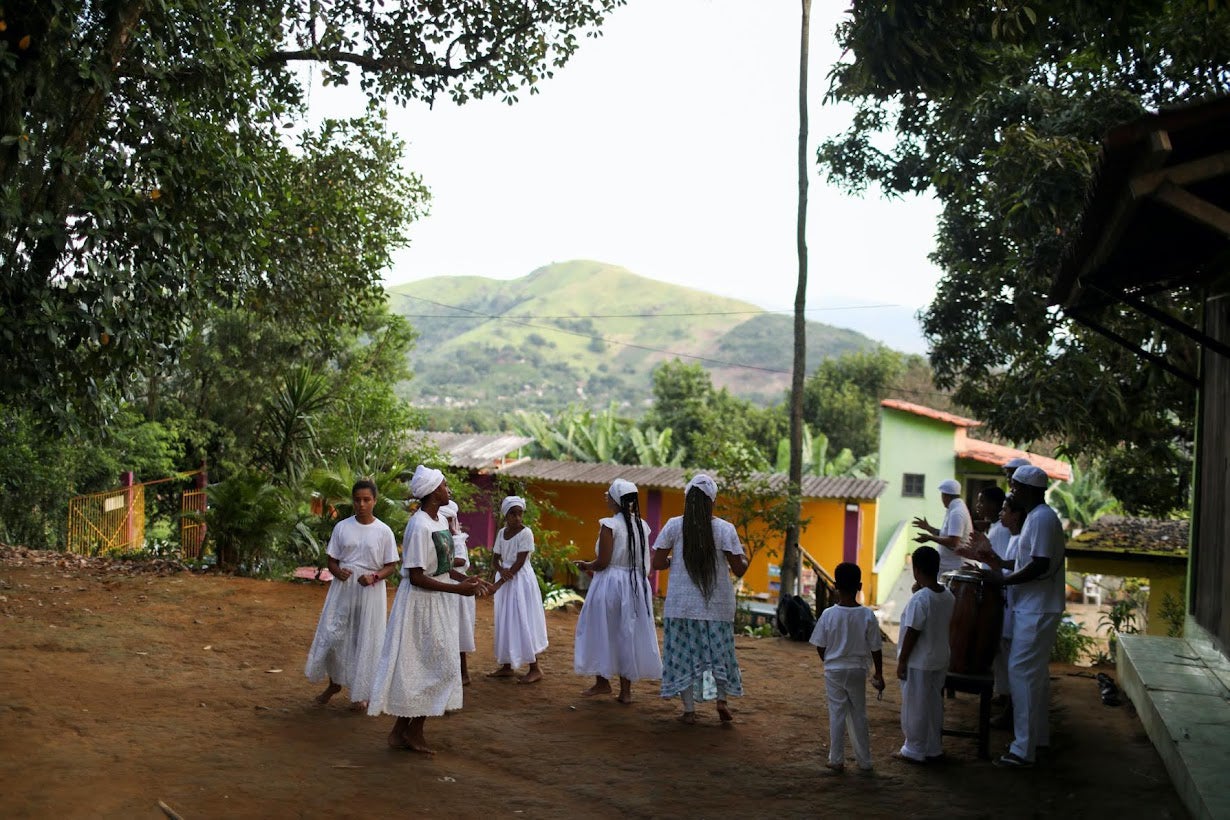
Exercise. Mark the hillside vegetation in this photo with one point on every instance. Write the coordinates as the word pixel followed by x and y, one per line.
pixel 584 331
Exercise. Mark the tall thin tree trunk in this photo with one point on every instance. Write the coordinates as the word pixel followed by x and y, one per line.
pixel 790 555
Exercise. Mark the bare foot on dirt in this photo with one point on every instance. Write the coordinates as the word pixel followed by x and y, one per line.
pixel 465 680
pixel 397 740
pixel 504 671
pixel 532 676
pixel 625 691
pixel 597 689
pixel 688 718
pixel 358 706
pixel 835 767
pixel 723 712
pixel 415 741
pixel 330 690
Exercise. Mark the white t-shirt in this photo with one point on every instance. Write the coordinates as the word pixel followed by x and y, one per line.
pixel 427 544
pixel 930 613
pixel 849 634
pixel 460 550
pixel 509 548
pixel 1041 537
pixel 683 598
pixel 999 536
pixel 362 548
pixel 956 522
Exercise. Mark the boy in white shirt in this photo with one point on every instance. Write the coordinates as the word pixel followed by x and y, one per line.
pixel 922 660
pixel 845 637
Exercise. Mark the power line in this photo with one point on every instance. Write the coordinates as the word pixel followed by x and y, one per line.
pixel 553 328
pixel 763 312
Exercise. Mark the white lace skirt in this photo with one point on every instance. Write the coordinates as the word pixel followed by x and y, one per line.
pixel 616 635
pixel 419 673
pixel 349 635
pixel 465 623
pixel 520 622
pixel 465 617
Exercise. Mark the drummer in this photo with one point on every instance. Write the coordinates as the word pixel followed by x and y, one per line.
pixel 1037 608
pixel 953 530
pixel 996 549
pixel 1011 464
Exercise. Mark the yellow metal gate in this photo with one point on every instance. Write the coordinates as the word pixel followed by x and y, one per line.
pixel 114 520
pixel 111 521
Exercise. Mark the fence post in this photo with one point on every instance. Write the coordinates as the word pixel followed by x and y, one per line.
pixel 127 480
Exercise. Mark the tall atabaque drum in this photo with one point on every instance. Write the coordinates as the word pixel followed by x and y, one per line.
pixel 977 622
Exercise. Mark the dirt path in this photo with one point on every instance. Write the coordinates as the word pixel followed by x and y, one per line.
pixel 122 691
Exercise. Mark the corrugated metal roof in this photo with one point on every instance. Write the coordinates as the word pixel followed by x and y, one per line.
pixel 675 478
pixel 474 451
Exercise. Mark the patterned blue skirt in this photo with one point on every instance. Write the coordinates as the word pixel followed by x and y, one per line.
pixel 699 655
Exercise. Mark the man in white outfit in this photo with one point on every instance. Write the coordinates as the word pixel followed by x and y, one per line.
pixel 1011 465
pixel 1037 608
pixel 953 530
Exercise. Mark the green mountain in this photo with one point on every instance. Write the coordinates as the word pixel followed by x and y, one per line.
pixel 589 332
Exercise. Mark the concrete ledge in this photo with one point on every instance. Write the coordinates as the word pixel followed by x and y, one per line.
pixel 1180 691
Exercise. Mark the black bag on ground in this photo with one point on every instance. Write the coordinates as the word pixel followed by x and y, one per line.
pixel 794 618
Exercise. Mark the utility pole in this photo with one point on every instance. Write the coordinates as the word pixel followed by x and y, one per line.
pixel 790 555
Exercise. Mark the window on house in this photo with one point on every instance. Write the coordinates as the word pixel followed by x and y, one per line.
pixel 912 485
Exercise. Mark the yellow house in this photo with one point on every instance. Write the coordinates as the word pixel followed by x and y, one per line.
pixel 1155 550
pixel 840 515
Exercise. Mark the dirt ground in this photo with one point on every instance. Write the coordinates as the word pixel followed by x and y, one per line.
pixel 122 691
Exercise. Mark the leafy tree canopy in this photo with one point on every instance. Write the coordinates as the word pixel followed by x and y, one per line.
pixel 998 109
pixel 145 173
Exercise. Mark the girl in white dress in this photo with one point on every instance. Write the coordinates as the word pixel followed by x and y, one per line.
pixel 362 553
pixel 616 634
pixel 520 622
pixel 465 604
pixel 418 675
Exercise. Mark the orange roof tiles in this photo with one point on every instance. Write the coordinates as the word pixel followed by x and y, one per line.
pixel 927 412
pixel 997 454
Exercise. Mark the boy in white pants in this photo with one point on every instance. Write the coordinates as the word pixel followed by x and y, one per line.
pixel 922 660
pixel 845 637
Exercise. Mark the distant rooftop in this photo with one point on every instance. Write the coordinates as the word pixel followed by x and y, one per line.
pixel 930 413
pixel 988 453
pixel 476 451
pixel 676 478
pixel 1113 534
pixel 981 451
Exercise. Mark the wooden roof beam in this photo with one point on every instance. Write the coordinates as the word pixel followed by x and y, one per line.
pixel 1197 170
pixel 1195 208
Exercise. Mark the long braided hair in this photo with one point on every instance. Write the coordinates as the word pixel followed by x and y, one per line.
pixel 630 509
pixel 699 553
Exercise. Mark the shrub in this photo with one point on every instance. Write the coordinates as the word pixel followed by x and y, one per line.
pixel 1070 644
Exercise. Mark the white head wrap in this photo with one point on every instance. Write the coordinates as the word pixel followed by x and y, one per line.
pixel 950 486
pixel 509 502
pixel 703 483
pixel 1030 476
pixel 425 481
pixel 450 509
pixel 619 488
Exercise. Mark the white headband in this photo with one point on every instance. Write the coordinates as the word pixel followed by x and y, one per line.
pixel 509 502
pixel 703 483
pixel 619 488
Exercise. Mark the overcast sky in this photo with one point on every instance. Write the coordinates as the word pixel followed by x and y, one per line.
pixel 668 146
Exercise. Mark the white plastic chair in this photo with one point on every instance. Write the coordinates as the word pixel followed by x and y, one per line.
pixel 1093 589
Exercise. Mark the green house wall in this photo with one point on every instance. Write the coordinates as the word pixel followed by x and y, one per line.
pixel 912 444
